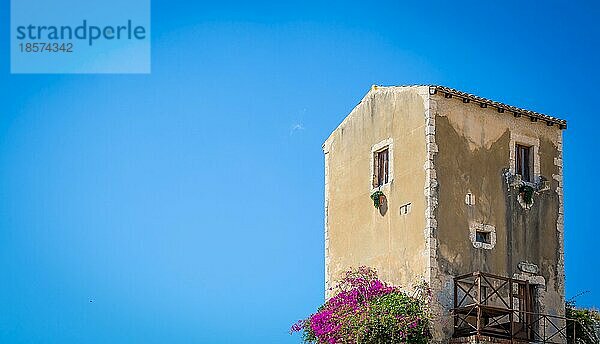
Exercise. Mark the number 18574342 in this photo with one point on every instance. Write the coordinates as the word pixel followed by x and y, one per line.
pixel 46 47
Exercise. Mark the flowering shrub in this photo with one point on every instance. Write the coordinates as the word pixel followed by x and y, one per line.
pixel 366 310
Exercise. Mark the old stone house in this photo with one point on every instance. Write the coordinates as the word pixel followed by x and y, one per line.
pixel 471 202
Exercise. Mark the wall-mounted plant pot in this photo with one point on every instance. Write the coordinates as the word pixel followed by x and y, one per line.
pixel 526 193
pixel 525 197
pixel 378 199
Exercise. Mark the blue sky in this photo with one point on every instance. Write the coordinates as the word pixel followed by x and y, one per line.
pixel 188 204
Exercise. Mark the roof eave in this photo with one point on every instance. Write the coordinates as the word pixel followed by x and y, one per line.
pixel 501 107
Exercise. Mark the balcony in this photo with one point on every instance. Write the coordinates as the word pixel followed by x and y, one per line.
pixel 486 305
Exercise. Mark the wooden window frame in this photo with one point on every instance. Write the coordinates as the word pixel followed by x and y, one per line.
pixel 524 161
pixel 381 181
pixel 518 139
pixel 381 167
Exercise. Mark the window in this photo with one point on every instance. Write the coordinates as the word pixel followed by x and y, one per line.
pixel 381 167
pixel 523 165
pixel 483 237
pixel 524 158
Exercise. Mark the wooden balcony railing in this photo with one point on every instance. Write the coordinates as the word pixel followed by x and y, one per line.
pixel 502 307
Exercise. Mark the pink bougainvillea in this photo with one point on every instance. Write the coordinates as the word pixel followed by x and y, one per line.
pixel 367 310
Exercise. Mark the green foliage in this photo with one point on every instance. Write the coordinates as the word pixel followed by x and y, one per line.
pixel 376 197
pixel 365 310
pixel 390 315
pixel 526 192
pixel 583 329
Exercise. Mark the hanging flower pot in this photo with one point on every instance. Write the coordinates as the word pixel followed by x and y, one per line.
pixel 526 193
pixel 378 199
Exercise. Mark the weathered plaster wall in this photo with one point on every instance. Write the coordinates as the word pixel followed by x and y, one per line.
pixel 442 149
pixel 355 232
pixel 474 156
